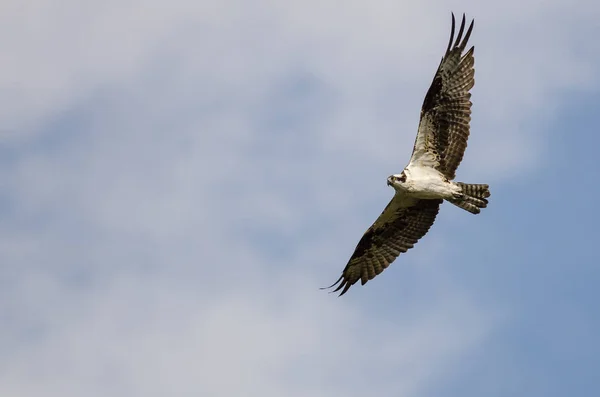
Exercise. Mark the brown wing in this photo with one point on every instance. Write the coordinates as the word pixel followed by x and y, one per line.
pixel 401 224
pixel 444 126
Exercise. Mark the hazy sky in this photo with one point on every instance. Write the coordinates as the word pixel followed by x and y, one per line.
pixel 178 179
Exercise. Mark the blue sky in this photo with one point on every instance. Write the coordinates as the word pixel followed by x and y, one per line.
pixel 177 181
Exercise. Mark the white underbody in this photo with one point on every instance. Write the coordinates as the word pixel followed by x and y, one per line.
pixel 425 182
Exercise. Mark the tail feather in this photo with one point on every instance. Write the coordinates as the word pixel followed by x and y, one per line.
pixel 477 190
pixel 474 197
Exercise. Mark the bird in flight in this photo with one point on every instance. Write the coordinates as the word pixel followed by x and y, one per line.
pixel 428 178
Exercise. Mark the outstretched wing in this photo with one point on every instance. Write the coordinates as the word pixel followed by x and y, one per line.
pixel 401 224
pixel 444 126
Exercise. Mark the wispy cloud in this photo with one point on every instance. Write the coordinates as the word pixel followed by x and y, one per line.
pixel 180 179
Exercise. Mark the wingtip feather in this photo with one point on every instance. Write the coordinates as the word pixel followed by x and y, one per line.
pixel 345 284
pixel 451 35
pixel 332 285
pixel 460 31
pixel 460 42
pixel 468 35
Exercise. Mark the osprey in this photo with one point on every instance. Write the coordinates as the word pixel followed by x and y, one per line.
pixel 427 180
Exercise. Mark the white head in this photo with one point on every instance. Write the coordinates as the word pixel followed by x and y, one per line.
pixel 397 181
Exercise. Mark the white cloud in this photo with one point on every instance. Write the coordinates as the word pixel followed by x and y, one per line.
pixel 149 336
pixel 185 177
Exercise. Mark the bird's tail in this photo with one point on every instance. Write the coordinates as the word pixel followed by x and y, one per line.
pixel 473 197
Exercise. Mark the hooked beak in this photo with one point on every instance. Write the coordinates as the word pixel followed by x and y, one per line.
pixel 389 181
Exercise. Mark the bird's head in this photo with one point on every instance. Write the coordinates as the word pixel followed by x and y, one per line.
pixel 397 180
